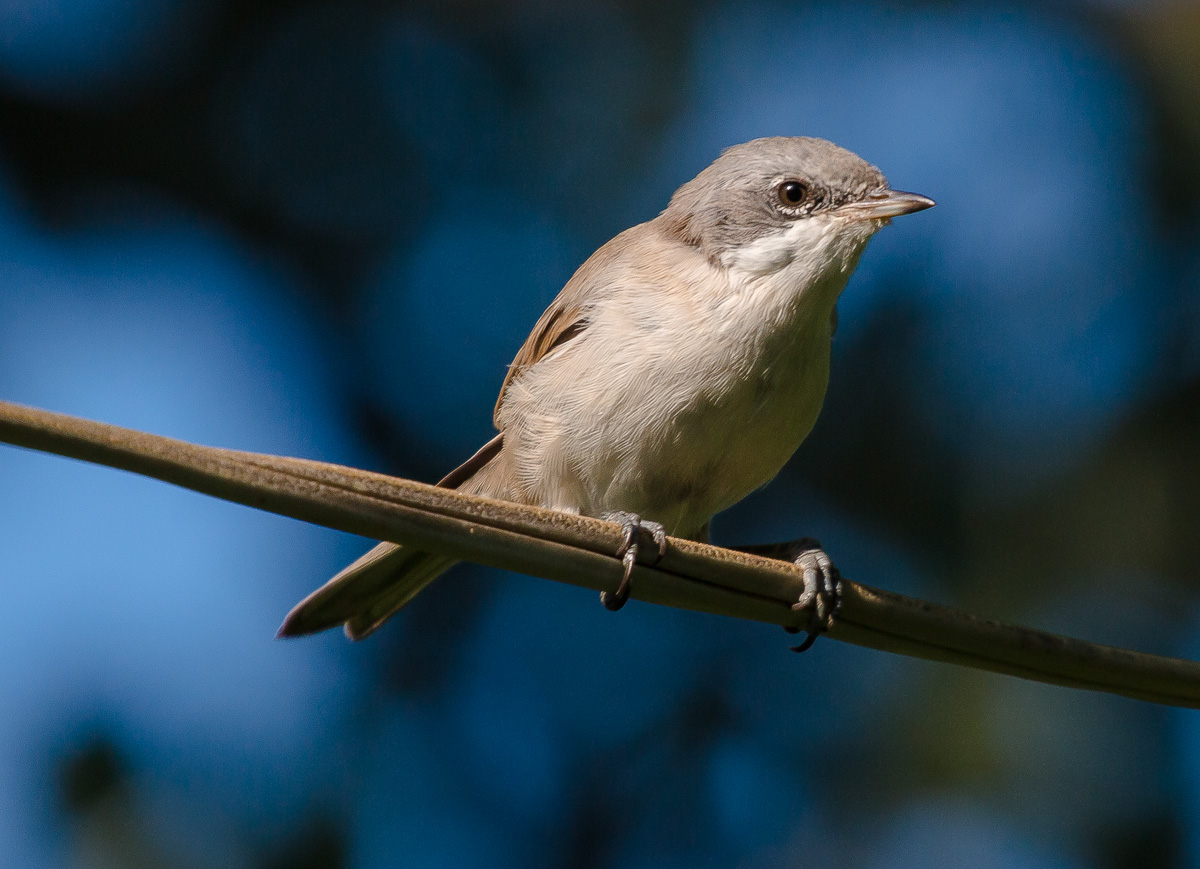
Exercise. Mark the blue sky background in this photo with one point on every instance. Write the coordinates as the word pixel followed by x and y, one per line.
pixel 323 230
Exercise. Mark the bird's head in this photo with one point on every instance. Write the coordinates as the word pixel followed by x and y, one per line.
pixel 793 203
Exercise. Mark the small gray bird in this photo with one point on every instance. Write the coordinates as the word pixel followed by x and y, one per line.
pixel 676 372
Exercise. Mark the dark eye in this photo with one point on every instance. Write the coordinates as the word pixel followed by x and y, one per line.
pixel 792 193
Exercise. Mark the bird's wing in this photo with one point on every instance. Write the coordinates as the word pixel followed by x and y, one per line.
pixel 563 320
pixel 468 469
pixel 567 316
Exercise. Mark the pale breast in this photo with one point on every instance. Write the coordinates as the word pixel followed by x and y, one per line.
pixel 673 405
pixel 730 441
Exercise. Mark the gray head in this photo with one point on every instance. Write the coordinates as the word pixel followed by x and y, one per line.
pixel 767 185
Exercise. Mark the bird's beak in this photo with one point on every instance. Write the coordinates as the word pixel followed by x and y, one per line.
pixel 886 203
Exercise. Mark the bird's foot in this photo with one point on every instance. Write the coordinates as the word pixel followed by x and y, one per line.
pixel 632 525
pixel 821 594
pixel 822 587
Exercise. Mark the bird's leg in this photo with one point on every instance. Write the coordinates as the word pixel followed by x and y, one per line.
pixel 821 583
pixel 632 525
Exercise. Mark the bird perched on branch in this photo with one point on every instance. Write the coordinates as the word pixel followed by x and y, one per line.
pixel 676 372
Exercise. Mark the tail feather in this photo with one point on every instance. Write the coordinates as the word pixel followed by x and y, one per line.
pixel 423 569
pixel 366 593
pixel 369 592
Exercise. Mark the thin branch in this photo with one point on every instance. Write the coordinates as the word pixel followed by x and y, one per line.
pixel 578 550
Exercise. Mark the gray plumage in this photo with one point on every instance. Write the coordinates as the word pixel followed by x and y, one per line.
pixel 678 369
pixel 724 205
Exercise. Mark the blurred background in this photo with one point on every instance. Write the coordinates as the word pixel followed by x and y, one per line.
pixel 323 229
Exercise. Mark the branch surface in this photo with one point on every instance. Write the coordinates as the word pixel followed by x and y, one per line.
pixel 579 550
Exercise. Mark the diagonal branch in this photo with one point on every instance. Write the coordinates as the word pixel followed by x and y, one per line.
pixel 578 550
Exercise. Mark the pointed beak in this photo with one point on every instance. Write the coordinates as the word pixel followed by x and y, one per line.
pixel 886 203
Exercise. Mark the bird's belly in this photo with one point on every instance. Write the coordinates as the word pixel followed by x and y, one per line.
pixel 703 455
pixel 727 449
pixel 677 433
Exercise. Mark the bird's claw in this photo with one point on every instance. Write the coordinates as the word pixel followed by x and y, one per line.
pixel 632 526
pixel 821 588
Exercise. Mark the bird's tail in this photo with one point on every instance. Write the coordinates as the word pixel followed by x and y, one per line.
pixel 371 590
pixel 366 593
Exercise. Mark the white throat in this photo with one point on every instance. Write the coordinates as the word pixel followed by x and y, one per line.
pixel 813 244
pixel 817 253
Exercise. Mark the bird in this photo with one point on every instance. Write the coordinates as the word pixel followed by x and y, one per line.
pixel 675 373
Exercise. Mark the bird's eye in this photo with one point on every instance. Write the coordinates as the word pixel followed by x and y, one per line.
pixel 792 193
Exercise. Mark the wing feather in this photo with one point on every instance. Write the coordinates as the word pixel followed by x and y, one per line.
pixel 563 320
